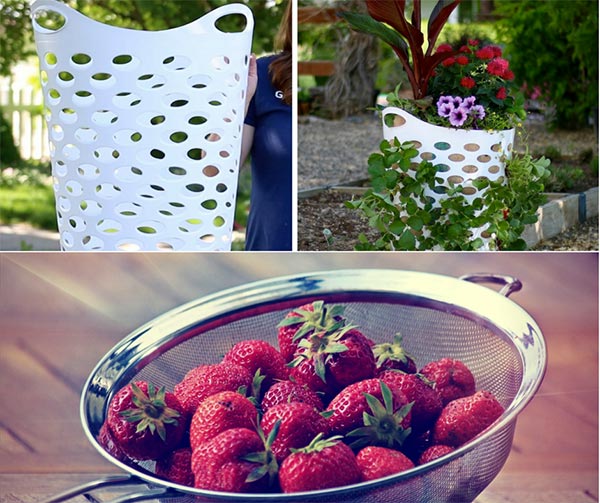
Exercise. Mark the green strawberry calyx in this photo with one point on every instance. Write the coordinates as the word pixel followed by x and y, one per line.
pixel 383 426
pixel 151 411
pixel 393 351
pixel 320 347
pixel 318 443
pixel 322 318
pixel 265 459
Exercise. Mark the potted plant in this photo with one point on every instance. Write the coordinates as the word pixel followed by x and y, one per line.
pixel 462 117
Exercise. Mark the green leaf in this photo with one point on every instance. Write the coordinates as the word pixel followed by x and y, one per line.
pixel 415 223
pixel 407 241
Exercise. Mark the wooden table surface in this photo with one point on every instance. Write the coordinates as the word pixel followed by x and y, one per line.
pixel 60 313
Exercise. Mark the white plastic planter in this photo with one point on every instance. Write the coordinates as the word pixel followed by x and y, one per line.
pixel 461 155
pixel 144 128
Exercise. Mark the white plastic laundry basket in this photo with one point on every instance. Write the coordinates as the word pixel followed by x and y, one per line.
pixel 462 156
pixel 145 129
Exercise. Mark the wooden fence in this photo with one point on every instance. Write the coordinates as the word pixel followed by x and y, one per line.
pixel 23 107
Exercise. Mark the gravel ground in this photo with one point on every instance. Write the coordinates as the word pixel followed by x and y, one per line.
pixel 335 152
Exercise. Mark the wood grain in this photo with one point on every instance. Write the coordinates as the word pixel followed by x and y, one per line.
pixel 60 313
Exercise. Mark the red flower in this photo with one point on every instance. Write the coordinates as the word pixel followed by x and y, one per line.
pixel 473 41
pixel 467 82
pixel 444 48
pixel 497 66
pixel 501 94
pixel 508 75
pixel 485 53
pixel 448 62
pixel 462 60
pixel 465 49
pixel 497 51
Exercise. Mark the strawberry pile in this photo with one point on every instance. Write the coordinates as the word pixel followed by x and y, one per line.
pixel 267 419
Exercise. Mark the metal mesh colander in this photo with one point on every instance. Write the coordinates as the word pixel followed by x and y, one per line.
pixel 438 316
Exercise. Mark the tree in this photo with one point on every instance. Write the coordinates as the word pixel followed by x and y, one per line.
pixel 351 88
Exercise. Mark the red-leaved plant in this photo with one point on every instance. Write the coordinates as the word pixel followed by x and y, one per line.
pixel 387 20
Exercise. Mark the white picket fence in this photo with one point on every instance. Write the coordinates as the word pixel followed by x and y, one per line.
pixel 23 106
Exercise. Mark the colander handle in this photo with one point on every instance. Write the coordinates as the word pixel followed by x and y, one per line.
pixel 510 283
pixel 113 480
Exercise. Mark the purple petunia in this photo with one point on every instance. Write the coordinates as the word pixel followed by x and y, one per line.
pixel 458 116
pixel 459 110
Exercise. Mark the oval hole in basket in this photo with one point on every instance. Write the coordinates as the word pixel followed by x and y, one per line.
pixel 199 81
pixel 212 137
pixel 50 59
pixel 484 158
pixel 442 145
pixel 68 116
pixel 71 152
pixel 394 120
pixel 108 226
pixel 178 137
pixel 471 147
pixel 104 117
pixel 221 187
pixel 428 156
pixel 469 168
pixel 494 169
pixel 220 62
pixel 151 81
pixel 124 61
pixel 106 154
pixel 81 59
pixel 442 168
pixel 208 238
pixel 197 120
pixel 65 78
pixel 456 157
pixel 196 154
pixel 107 190
pixel 92 243
pixel 224 154
pixel 157 154
pixel 48 20
pixel 86 135
pixel 177 63
pixel 90 207
pixel 44 77
pixel 102 80
pixel 209 204
pixel 56 132
pixel 83 98
pixel 231 23
pixel 129 246
pixel 469 191
pixel 88 171
pixel 496 147
pixel 128 209
pixel 210 171
pixel 195 187
pixel 177 171
pixel 455 179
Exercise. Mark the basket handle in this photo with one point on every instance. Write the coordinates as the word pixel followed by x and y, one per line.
pixel 510 283
pixel 228 9
pixel 41 7
pixel 115 481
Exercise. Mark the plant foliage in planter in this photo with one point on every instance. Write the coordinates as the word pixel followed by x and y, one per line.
pixel 407 219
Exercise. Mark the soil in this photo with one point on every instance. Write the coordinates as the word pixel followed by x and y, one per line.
pixel 334 153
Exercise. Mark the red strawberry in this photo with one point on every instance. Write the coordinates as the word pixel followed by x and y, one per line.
pixel 258 355
pixel 225 463
pixel 146 422
pixel 304 373
pixel 299 424
pixel 356 363
pixel 358 411
pixel 177 467
pixel 393 356
pixel 106 440
pixel 434 452
pixel 288 391
pixel 452 378
pixel 464 418
pixel 305 320
pixel 205 380
pixel 220 412
pixel 320 465
pixel 376 462
pixel 427 402
pixel 340 357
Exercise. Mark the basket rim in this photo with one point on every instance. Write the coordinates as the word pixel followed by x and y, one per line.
pixel 296 288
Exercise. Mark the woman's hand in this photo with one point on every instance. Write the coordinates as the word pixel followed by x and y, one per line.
pixel 252 81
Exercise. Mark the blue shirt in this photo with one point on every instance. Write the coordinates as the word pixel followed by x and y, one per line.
pixel 270 219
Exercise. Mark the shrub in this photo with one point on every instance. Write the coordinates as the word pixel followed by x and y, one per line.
pixel 554 45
